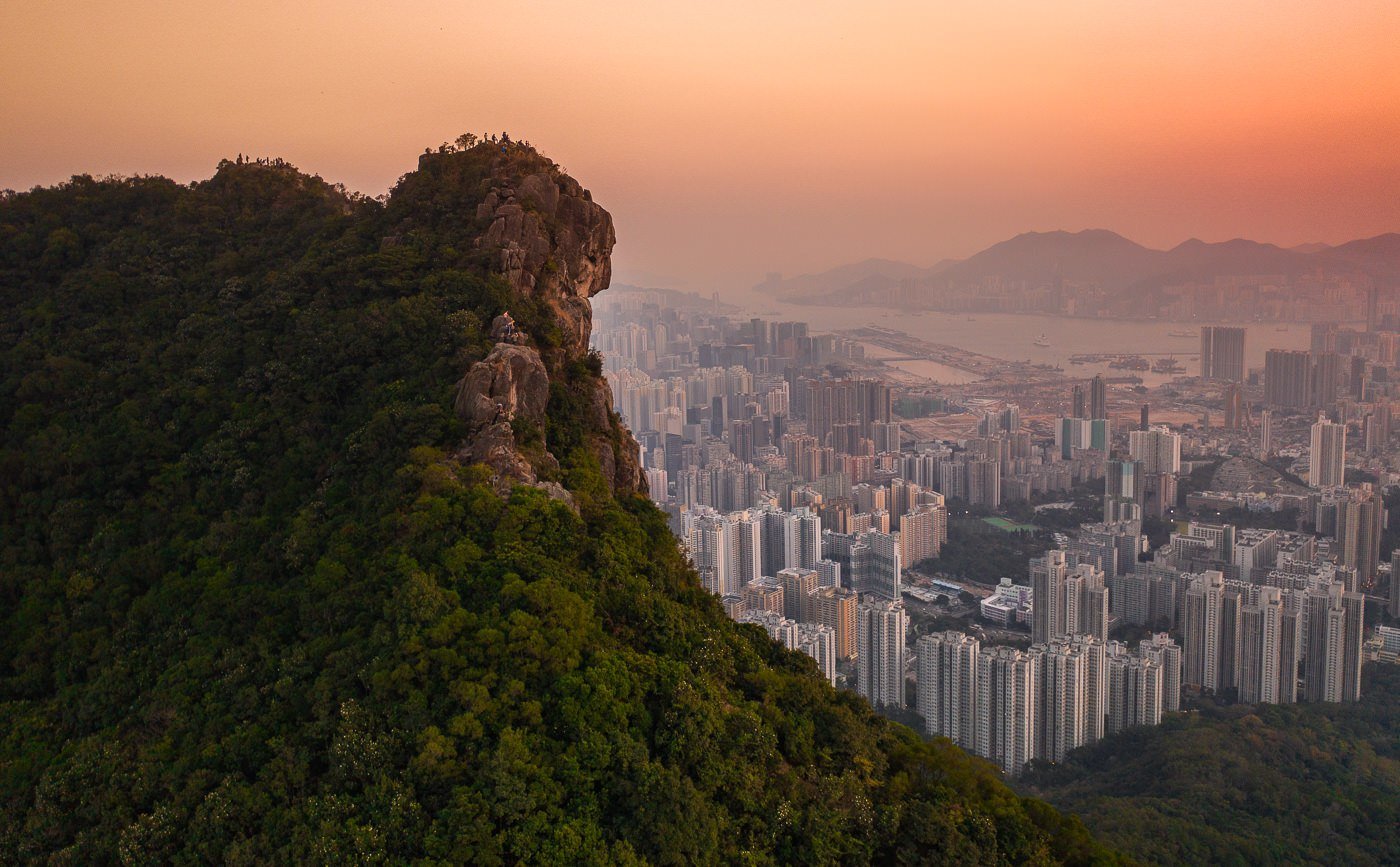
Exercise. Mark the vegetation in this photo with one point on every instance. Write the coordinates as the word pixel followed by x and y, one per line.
pixel 979 552
pixel 255 611
pixel 1284 784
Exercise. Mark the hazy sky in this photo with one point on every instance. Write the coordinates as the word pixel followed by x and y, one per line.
pixel 733 138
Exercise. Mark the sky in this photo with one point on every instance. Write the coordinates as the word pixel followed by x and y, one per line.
pixel 730 139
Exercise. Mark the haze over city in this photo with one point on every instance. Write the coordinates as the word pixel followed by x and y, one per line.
pixel 730 141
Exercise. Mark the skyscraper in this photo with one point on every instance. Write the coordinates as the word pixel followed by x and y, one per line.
pixel 1261 640
pixel 1047 594
pixel 1266 433
pixel 1359 521
pixel 1236 412
pixel 1125 491
pixel 947 696
pixel 1332 659
pixel 1378 428
pixel 1167 654
pixel 1067 600
pixel 1158 449
pixel 1134 688
pixel 1393 605
pixel 1222 353
pixel 1287 378
pixel 836 607
pixel 1098 398
pixel 1064 677
pixel 881 626
pixel 798 583
pixel 1201 655
pixel 1008 693
pixel 1328 454
pixel 923 532
pixel 886 568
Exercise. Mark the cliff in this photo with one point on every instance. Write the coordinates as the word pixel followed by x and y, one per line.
pixel 309 554
pixel 518 216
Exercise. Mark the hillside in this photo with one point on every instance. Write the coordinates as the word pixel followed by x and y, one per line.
pixel 1098 257
pixel 309 556
pixel 1289 784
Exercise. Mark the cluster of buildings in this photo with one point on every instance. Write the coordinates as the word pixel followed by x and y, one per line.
pixel 1013 706
pixel 801 502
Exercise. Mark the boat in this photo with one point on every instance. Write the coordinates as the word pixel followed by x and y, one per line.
pixel 1041 340
pixel 1183 334
pixel 1167 365
pixel 1129 362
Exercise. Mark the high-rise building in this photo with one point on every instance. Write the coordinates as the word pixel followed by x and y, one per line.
pixel 819 642
pixel 798 584
pixel 1222 353
pixel 1067 600
pixel 836 607
pixel 1047 575
pixel 1236 412
pixel 1158 450
pixel 1332 659
pixel 1328 454
pixel 1167 654
pixel 1378 429
pixel 1098 397
pixel 764 594
pixel 923 532
pixel 1125 491
pixel 1078 408
pixel 1300 379
pixel 1134 688
pixel 947 694
pixel 1325 374
pixel 881 626
pixel 984 483
pixel 1266 433
pixel 1064 680
pixel 1393 605
pixel 1288 378
pixel 1008 693
pixel 886 568
pixel 1360 519
pixel 1261 647
pixel 1205 595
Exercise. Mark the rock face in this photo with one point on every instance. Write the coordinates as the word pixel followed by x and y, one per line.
pixel 554 244
pixel 509 383
pixel 545 235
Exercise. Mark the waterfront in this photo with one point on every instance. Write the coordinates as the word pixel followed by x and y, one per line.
pixel 1012 336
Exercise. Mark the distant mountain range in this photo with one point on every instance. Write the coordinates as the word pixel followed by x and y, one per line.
pixel 1102 257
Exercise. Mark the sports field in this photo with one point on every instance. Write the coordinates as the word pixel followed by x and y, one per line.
pixel 1008 526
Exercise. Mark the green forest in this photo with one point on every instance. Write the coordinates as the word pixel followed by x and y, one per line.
pixel 256 611
pixel 1268 784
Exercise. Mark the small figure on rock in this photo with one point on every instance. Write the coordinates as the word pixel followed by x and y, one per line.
pixel 504 330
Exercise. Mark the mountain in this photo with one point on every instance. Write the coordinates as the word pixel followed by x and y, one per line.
pixel 1305 783
pixel 1102 257
pixel 310 553
pixel 1094 255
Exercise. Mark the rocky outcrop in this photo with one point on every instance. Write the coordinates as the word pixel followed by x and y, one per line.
pixel 542 232
pixel 554 244
pixel 507 384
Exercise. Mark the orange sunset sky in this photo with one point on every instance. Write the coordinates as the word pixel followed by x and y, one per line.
pixel 734 138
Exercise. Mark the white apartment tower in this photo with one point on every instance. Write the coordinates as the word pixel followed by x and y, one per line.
pixel 881 627
pixel 948 686
pixel 1327 457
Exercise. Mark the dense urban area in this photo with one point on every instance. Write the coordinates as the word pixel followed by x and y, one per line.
pixel 1030 560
